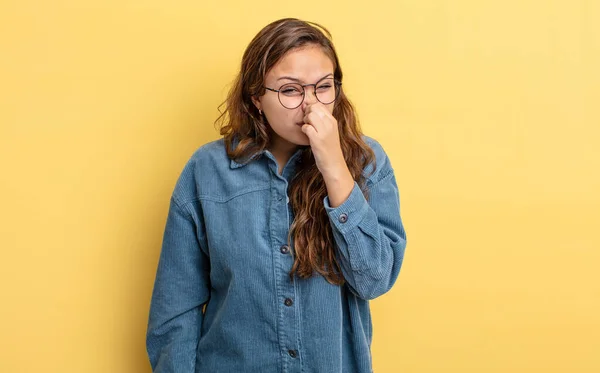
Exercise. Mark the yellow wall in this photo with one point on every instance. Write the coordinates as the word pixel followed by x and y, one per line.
pixel 488 109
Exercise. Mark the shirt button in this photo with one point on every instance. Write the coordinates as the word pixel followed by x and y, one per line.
pixel 343 218
pixel 292 353
pixel 288 302
pixel 284 249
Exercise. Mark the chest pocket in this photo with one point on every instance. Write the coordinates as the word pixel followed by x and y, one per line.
pixel 237 234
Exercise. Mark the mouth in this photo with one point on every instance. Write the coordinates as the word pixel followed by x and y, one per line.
pixel 300 124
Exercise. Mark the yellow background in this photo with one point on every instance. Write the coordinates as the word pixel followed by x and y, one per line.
pixel 488 109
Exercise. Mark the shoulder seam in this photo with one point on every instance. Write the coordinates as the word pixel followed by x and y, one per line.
pixel 386 176
pixel 183 207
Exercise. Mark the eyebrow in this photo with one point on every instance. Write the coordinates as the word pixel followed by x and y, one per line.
pixel 298 80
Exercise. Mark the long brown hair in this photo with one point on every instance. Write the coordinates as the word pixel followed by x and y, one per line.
pixel 246 133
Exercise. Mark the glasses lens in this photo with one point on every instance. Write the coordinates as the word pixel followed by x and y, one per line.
pixel 327 91
pixel 291 95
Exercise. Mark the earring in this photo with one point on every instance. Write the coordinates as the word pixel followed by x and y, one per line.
pixel 260 112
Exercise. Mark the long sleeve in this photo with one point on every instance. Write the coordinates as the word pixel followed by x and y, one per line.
pixel 370 235
pixel 180 289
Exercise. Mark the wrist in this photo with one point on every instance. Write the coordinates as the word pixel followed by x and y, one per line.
pixel 339 184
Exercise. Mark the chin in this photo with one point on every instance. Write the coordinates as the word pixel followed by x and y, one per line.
pixel 292 137
pixel 301 140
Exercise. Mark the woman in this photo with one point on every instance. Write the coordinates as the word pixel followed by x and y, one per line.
pixel 280 233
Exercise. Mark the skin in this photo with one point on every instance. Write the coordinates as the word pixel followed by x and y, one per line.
pixel 312 123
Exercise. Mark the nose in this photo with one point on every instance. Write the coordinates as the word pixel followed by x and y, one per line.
pixel 309 96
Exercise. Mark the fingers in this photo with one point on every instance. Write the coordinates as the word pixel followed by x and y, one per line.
pixel 310 131
pixel 314 120
pixel 318 116
pixel 315 108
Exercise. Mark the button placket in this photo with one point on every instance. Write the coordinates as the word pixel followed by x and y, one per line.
pixel 280 221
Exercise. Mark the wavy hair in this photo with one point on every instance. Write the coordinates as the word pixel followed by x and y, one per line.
pixel 247 133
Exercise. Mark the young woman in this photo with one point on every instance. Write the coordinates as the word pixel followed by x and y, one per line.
pixel 280 233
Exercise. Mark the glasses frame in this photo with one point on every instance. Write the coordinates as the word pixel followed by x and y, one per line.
pixel 336 83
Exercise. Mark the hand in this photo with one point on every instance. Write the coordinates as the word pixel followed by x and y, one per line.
pixel 321 128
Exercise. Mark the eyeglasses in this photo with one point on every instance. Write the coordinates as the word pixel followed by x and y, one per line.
pixel 291 95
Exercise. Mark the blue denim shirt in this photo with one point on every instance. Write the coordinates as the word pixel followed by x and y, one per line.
pixel 223 300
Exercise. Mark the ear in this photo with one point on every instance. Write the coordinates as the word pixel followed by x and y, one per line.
pixel 256 102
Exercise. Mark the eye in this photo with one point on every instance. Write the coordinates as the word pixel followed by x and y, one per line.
pixel 291 90
pixel 323 88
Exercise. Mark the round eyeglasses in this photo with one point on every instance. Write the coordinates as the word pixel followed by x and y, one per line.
pixel 291 95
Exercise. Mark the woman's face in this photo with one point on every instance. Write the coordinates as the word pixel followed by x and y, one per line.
pixel 305 65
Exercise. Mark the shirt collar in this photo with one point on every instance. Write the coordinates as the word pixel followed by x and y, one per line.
pixel 233 164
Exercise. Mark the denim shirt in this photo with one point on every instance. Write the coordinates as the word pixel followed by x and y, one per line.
pixel 223 300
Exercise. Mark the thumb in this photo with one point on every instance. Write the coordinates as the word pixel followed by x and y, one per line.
pixel 309 131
